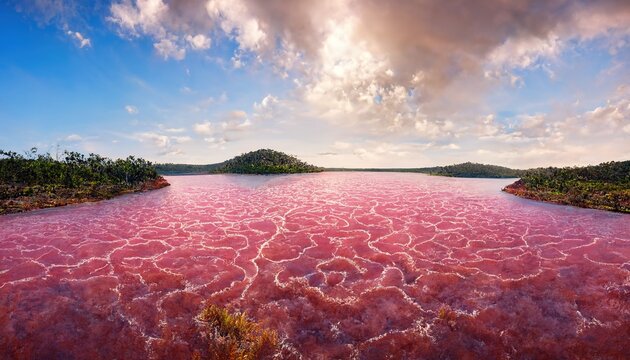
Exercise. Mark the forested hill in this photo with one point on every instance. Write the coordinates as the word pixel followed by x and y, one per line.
pixel 467 169
pixel 473 170
pixel 265 161
pixel 605 186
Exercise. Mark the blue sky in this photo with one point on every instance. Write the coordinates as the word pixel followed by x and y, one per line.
pixel 202 81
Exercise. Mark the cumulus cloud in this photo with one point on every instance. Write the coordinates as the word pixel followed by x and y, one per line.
pixel 402 70
pixel 236 120
pixel 204 128
pixel 140 17
pixel 587 137
pixel 164 144
pixel 267 107
pixel 237 21
pixel 160 141
pixel 198 42
pixel 167 48
pixel 226 128
pixel 375 62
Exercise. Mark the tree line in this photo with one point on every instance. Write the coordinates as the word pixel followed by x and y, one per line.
pixel 72 170
pixel 613 173
pixel 605 186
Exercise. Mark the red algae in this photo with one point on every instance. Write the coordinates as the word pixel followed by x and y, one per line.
pixel 341 265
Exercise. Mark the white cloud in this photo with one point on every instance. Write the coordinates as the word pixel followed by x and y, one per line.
pixel 204 128
pixel 73 138
pixel 80 39
pixel 236 20
pixel 167 48
pixel 236 120
pixel 267 107
pixel 388 70
pixel 131 109
pixel 198 42
pixel 141 16
pixel 525 52
pixel 231 126
pixel 163 143
pixel 160 141
pixel 216 142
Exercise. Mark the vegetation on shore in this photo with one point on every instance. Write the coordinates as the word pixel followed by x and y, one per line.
pixel 265 161
pixel 232 336
pixel 184 169
pixel 36 180
pixel 473 170
pixel 605 186
pixel 467 169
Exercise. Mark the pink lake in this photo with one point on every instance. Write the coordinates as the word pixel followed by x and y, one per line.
pixel 342 265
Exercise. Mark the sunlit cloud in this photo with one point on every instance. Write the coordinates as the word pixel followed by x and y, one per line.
pixel 373 78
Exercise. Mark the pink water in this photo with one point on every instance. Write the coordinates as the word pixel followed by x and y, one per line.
pixel 343 265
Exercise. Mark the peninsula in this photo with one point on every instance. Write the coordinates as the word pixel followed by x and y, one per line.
pixel 605 186
pixel 34 181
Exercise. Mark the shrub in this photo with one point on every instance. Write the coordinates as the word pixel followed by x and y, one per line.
pixel 234 336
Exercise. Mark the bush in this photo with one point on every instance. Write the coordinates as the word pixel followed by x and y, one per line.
pixel 234 336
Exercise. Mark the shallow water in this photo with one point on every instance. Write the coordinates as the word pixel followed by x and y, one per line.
pixel 344 265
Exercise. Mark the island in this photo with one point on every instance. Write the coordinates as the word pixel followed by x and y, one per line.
pixel 605 186
pixel 34 181
pixel 263 162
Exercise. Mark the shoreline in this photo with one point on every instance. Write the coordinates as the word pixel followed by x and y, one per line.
pixel 64 196
pixel 519 189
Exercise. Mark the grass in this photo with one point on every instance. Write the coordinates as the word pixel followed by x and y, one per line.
pixel 232 336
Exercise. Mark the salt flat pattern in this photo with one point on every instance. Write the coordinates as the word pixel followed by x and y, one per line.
pixel 343 265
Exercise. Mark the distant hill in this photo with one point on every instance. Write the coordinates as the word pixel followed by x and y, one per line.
pixel 605 186
pixel 473 170
pixel 264 161
pixel 467 169
pixel 185 169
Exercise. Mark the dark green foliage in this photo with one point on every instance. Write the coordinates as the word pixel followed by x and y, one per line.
pixel 467 169
pixel 604 186
pixel 72 171
pixel 184 169
pixel 34 181
pixel 473 170
pixel 614 173
pixel 265 161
